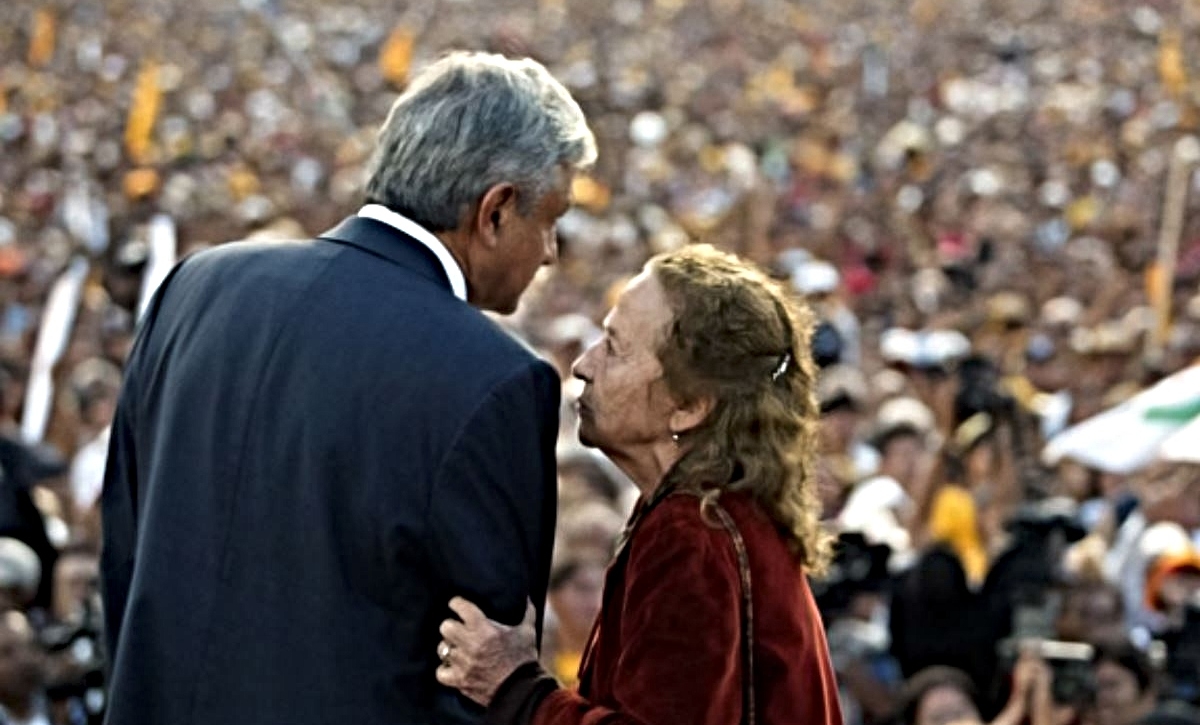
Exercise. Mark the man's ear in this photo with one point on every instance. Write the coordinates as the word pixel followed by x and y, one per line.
pixel 688 416
pixel 496 205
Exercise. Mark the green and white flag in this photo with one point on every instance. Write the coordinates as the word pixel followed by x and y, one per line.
pixel 1161 422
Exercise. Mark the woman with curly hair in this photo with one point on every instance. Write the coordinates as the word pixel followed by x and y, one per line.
pixel 701 390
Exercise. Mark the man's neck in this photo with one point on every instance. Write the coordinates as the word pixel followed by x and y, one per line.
pixel 454 244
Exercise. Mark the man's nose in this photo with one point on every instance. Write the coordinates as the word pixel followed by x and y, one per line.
pixel 582 367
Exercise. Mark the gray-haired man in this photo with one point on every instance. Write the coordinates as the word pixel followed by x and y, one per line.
pixel 319 443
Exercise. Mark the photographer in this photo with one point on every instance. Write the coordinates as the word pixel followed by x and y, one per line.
pixel 883 507
pixel 852 598
pixel 1032 699
pixel 975 489
pixel 944 695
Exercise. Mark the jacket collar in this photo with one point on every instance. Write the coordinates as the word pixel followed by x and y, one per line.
pixel 388 243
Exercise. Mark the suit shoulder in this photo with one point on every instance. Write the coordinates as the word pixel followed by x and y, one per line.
pixel 244 252
pixel 254 263
pixel 478 335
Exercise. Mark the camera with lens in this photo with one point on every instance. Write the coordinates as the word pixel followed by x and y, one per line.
pixel 1023 599
pixel 858 567
pixel 1023 578
pixel 980 391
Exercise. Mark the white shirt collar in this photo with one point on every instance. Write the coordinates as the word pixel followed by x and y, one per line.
pixel 380 213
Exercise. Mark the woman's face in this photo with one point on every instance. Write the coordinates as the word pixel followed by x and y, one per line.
pixel 945 705
pixel 1090 614
pixel 577 602
pixel 625 403
pixel 980 462
pixel 1118 699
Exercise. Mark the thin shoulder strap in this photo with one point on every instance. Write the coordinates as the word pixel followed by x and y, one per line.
pixel 739 546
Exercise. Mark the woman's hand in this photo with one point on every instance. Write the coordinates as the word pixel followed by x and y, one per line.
pixel 478 654
pixel 1032 699
pixel 1026 672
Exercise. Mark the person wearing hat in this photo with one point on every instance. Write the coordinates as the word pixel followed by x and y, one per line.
pixel 953 514
pixel 883 506
pixel 928 358
pixel 1172 580
pixel 20 574
pixel 842 398
pixel 1156 532
pixel 319 443
pixel 819 282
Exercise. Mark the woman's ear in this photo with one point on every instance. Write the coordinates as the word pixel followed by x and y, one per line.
pixel 691 415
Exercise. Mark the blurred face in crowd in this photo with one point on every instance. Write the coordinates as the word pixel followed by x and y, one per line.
pixel 1119 700
pixel 1091 613
pixel 99 410
pixel 902 458
pixel 21 672
pixel 980 462
pixel 75 578
pixel 514 238
pixel 625 404
pixel 576 602
pixel 1075 481
pixel 592 527
pixel 837 429
pixel 946 705
pixel 934 387
pixel 1171 492
pixel 1176 591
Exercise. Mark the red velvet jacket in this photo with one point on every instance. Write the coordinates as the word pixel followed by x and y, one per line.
pixel 666 648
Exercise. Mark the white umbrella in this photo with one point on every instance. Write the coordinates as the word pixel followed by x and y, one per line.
pixel 1184 444
pixel 1128 436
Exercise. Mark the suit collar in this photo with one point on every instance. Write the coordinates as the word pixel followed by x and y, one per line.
pixel 390 244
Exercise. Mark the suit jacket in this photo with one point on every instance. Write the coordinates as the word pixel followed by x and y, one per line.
pixel 667 645
pixel 316 446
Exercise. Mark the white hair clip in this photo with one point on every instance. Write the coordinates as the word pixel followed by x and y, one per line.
pixel 784 362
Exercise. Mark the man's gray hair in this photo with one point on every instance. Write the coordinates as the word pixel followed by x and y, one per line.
pixel 471 121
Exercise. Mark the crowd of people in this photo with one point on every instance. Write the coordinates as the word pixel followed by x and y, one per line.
pixel 973 196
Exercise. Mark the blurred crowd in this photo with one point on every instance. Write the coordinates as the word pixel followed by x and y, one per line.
pixel 985 201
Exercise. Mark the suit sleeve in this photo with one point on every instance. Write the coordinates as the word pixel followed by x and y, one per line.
pixel 493 504
pixel 118 505
pixel 681 661
pixel 119 495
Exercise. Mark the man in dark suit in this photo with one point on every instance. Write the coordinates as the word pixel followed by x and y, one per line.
pixel 319 443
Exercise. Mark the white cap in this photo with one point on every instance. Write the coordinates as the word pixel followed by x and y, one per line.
pixel 1062 311
pixel 924 348
pixel 20 567
pixel 905 411
pixel 815 277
